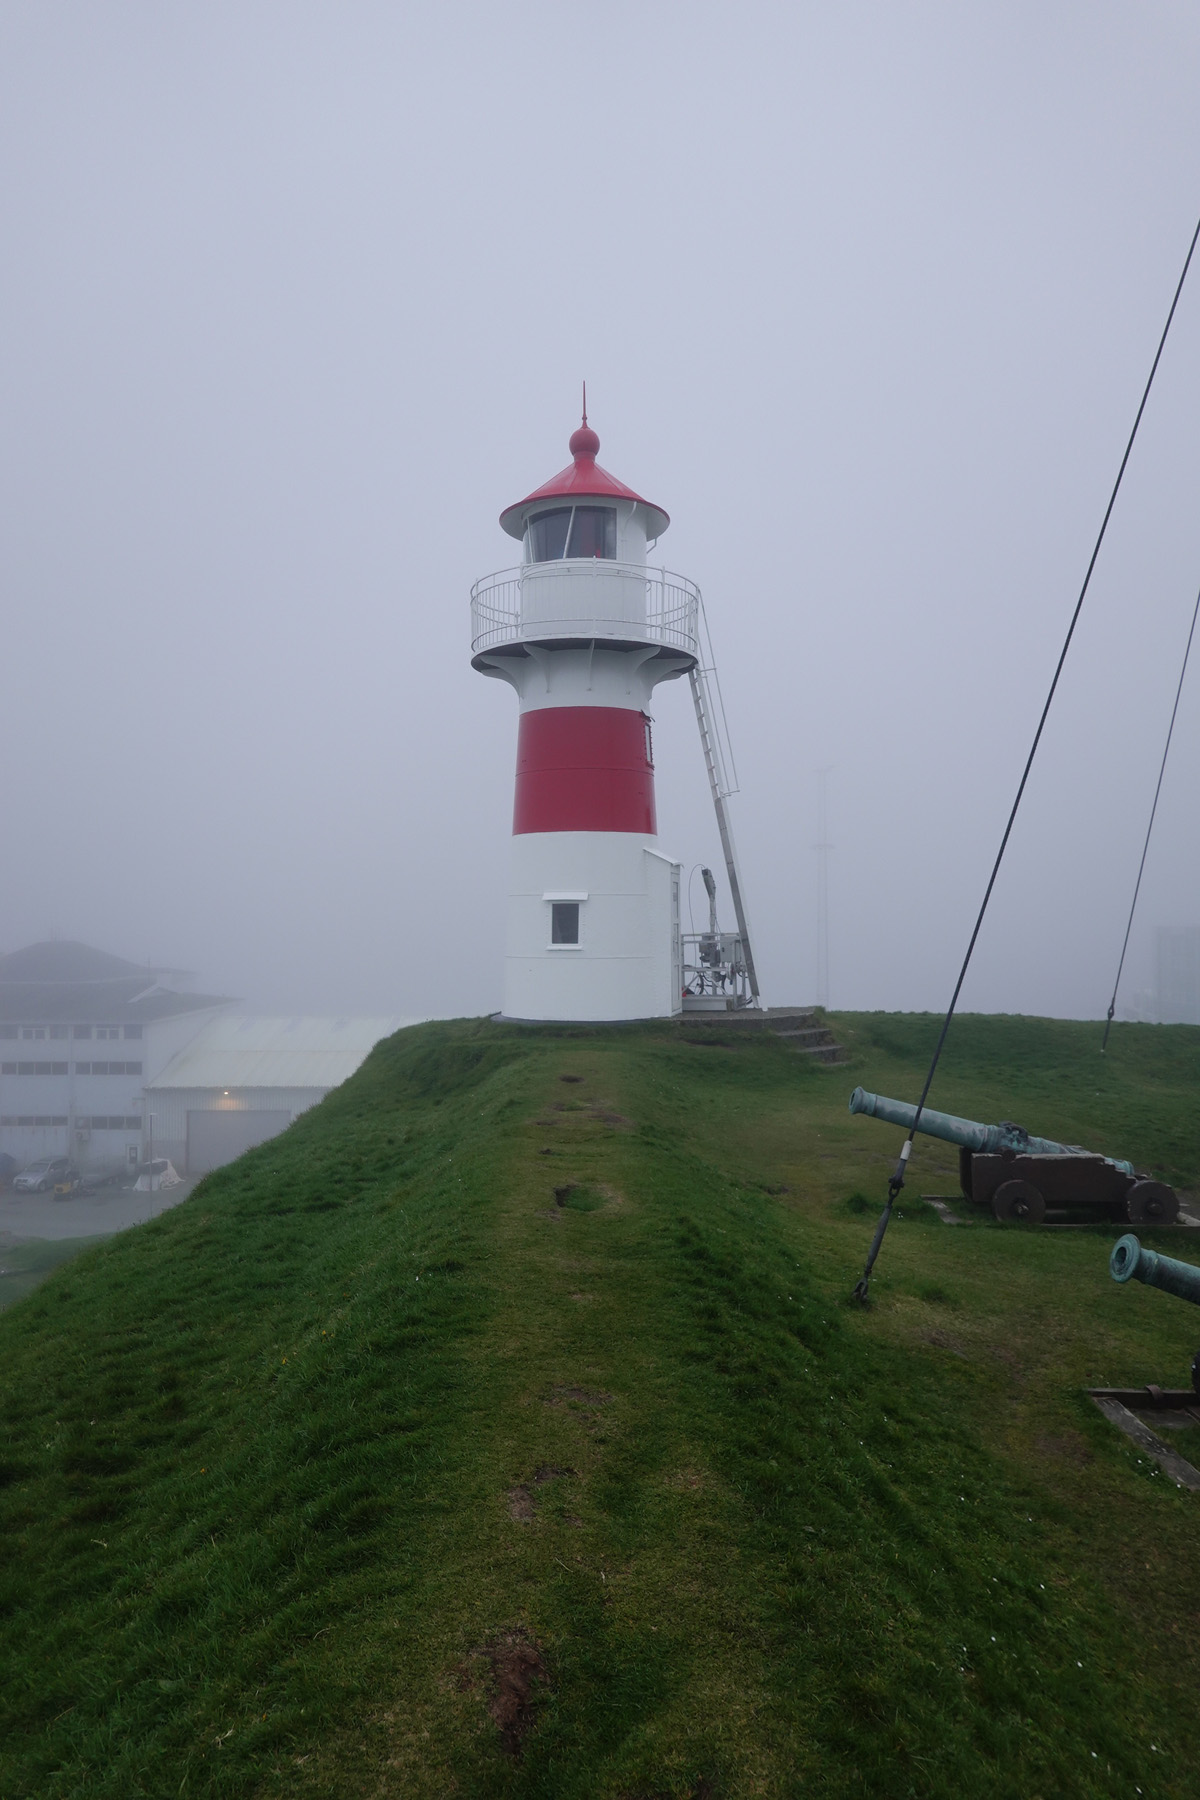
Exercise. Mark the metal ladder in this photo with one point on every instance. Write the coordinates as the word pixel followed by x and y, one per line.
pixel 722 779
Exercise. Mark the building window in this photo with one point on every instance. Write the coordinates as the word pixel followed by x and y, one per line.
pixel 564 922
pixel 106 1068
pixel 8 1031
pixel 33 1068
pixel 58 1031
pixel 83 1031
pixel 33 1031
pixel 41 1119
pixel 122 1122
pixel 581 531
pixel 133 1031
pixel 108 1031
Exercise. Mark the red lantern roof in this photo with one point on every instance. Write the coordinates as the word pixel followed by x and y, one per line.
pixel 583 479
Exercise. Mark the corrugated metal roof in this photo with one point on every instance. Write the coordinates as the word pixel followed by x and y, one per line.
pixel 275 1053
pixel 45 983
pixel 99 1003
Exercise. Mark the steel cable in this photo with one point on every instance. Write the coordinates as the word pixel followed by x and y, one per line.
pixel 862 1287
pixel 1112 1005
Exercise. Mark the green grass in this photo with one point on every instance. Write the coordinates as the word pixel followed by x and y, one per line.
pixel 26 1262
pixel 291 1475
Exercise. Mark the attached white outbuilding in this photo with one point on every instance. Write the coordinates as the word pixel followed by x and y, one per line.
pixel 243 1080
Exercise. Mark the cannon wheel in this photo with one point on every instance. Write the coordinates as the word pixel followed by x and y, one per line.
pixel 1151 1203
pixel 1019 1200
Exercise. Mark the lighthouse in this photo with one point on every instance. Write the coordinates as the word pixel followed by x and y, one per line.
pixel 584 630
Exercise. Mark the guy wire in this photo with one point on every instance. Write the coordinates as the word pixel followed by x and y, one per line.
pixel 1112 1005
pixel 862 1287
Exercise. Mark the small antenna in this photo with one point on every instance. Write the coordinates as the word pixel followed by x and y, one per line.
pixel 585 402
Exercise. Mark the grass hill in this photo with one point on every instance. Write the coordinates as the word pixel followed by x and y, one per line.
pixel 503 1430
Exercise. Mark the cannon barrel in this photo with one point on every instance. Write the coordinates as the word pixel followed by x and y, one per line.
pixel 1130 1262
pixel 988 1140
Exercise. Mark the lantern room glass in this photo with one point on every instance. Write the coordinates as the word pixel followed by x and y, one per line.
pixel 572 531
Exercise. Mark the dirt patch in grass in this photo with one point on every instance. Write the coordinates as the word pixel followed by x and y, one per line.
pixel 580 1397
pixel 1064 1446
pixel 686 1480
pixel 523 1501
pixel 584 1196
pixel 614 1120
pixel 941 1340
pixel 571 1078
pixel 1011 1361
pixel 516 1665
pixel 703 1790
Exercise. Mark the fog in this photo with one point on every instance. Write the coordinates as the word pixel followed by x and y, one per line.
pixel 297 297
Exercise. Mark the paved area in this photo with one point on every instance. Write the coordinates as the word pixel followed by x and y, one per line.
pixel 85 1215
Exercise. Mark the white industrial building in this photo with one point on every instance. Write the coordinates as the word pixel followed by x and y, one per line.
pixel 108 1062
pixel 241 1081
pixel 81 1033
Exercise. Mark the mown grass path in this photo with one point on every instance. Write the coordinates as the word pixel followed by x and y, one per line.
pixel 378 1469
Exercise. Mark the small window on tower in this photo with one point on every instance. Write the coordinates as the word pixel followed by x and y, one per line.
pixel 649 740
pixel 564 922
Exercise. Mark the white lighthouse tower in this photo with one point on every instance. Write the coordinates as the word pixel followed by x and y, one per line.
pixel 584 630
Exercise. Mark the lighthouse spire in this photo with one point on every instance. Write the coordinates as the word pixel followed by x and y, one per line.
pixel 585 402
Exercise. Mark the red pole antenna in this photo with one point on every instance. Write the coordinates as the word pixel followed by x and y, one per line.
pixel 585 402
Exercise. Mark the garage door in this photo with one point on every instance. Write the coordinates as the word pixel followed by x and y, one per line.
pixel 216 1138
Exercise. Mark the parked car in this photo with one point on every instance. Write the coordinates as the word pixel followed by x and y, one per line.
pixel 101 1179
pixel 45 1173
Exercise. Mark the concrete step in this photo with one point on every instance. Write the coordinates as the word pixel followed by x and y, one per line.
pixel 798 1025
pixel 809 1039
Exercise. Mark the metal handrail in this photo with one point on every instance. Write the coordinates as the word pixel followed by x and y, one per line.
pixel 672 607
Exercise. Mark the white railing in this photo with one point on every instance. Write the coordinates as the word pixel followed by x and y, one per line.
pixel 589 599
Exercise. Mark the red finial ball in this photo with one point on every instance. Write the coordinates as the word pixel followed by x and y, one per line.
pixel 584 442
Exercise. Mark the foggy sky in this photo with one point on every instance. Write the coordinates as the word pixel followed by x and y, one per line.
pixel 297 297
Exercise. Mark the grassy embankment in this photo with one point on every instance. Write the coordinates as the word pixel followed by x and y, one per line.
pixel 25 1263
pixel 372 1470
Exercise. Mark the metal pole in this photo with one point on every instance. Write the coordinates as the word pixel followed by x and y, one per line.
pixel 823 847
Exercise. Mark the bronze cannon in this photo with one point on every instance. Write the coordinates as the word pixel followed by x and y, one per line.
pixel 1021 1176
pixel 1130 1261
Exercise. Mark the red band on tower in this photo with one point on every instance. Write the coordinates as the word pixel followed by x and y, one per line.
pixel 584 768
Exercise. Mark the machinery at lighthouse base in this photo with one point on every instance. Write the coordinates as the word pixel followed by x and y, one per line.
pixel 716 973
